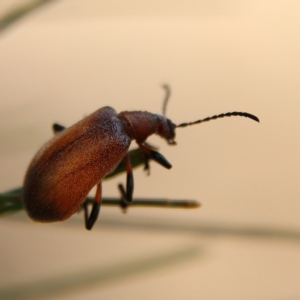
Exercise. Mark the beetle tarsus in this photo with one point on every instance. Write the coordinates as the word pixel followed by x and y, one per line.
pixel 92 218
pixel 123 203
pixel 159 158
pixel 146 164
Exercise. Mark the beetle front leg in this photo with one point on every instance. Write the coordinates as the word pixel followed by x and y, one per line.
pixel 146 164
pixel 91 219
pixel 159 158
pixel 147 157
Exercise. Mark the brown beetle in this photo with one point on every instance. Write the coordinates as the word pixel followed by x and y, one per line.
pixel 68 166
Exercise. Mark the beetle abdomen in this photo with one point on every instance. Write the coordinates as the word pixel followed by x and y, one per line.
pixel 64 171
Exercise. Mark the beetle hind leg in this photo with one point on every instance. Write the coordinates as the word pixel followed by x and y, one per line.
pixel 91 218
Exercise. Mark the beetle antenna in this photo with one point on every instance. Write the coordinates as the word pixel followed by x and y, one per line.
pixel 167 97
pixel 229 114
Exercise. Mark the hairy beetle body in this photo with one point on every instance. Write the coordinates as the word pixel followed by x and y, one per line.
pixel 66 168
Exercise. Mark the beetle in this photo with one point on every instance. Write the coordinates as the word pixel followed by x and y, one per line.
pixel 76 159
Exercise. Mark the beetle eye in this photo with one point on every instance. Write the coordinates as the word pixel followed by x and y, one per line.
pixel 171 135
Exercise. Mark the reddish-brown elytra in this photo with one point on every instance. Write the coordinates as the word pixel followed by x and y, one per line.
pixel 67 167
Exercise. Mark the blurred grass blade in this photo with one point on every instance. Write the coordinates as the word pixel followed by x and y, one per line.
pixel 11 203
pixel 98 276
pixel 20 11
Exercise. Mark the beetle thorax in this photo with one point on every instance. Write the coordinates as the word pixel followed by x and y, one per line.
pixel 140 125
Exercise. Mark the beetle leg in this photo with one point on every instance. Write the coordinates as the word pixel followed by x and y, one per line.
pixel 126 196
pixel 159 158
pixel 129 180
pixel 124 203
pixel 146 164
pixel 91 219
pixel 147 158
pixel 57 128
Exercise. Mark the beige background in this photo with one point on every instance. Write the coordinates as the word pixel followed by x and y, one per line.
pixel 70 58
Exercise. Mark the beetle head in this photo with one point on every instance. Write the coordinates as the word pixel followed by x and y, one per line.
pixel 166 129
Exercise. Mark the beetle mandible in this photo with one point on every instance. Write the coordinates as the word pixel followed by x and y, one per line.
pixel 76 159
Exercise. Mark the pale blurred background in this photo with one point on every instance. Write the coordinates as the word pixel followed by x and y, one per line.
pixel 69 58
